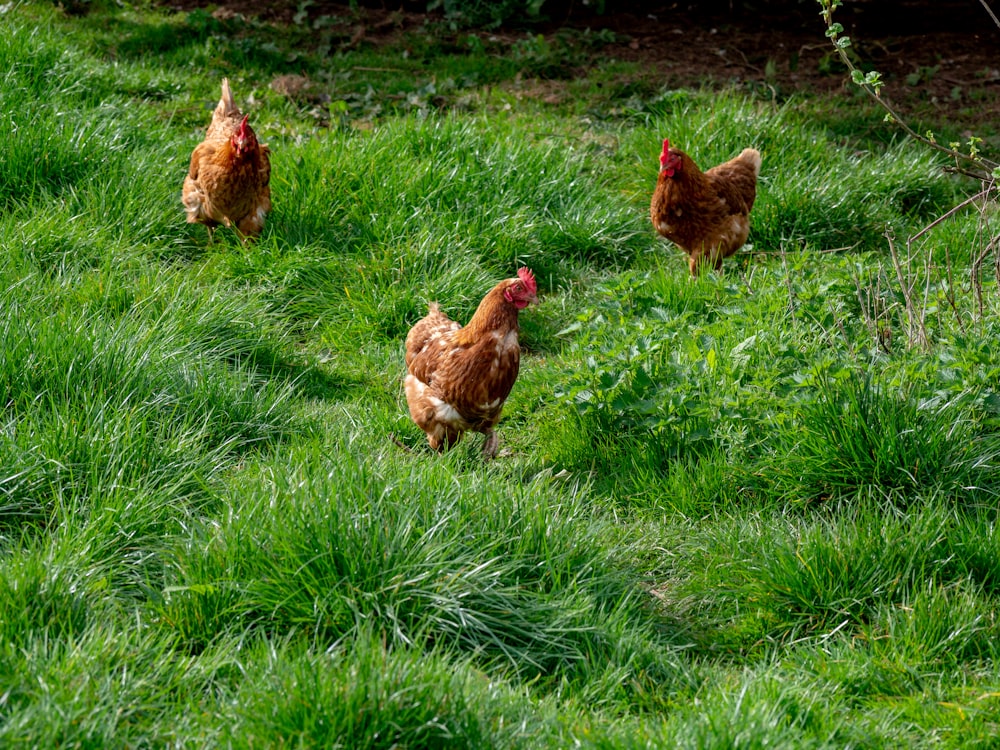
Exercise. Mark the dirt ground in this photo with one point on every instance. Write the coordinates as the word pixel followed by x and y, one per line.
pixel 937 58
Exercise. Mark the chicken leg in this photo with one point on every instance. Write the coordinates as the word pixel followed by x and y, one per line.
pixel 490 442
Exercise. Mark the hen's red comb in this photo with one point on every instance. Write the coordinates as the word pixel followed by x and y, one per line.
pixel 243 125
pixel 663 154
pixel 526 276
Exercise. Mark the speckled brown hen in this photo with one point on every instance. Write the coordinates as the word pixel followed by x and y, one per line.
pixel 459 377
pixel 706 213
pixel 229 180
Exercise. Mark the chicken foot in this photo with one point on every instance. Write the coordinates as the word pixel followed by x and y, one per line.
pixel 490 442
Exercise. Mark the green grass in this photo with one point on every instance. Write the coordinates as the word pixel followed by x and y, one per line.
pixel 748 510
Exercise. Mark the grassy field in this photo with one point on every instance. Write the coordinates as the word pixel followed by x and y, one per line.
pixel 756 509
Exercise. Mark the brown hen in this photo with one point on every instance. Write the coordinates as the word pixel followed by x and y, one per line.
pixel 706 213
pixel 229 178
pixel 459 377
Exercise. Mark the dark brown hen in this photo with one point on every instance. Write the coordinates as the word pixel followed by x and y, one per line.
pixel 706 213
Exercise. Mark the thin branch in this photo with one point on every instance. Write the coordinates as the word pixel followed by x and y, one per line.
pixel 962 171
pixel 871 86
pixel 990 11
pixel 949 292
pixel 952 212
pixel 986 251
pixel 915 321
pixel 869 320
pixel 927 283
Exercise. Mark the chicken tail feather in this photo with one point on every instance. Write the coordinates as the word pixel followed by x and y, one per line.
pixel 227 105
pixel 752 157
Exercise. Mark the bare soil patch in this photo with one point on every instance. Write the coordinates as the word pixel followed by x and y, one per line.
pixel 939 60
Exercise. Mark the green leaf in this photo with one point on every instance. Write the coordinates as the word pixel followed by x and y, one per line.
pixel 739 354
pixel 608 380
pixel 642 380
pixel 571 328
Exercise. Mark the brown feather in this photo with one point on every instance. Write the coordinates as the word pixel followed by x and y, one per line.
pixel 706 213
pixel 459 377
pixel 225 185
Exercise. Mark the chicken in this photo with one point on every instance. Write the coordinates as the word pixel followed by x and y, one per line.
pixel 459 377
pixel 229 179
pixel 706 213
